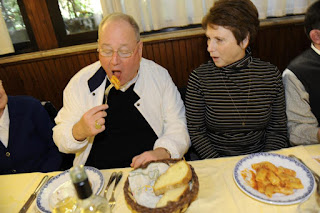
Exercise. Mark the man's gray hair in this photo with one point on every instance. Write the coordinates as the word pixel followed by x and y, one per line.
pixel 124 17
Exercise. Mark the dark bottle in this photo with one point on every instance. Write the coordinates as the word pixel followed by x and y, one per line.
pixel 87 201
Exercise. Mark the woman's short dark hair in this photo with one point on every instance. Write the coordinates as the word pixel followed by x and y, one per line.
pixel 239 16
pixel 312 18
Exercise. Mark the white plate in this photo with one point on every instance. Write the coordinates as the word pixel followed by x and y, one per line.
pixel 278 160
pixel 62 182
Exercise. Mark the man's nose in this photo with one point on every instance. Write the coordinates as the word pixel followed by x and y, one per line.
pixel 115 59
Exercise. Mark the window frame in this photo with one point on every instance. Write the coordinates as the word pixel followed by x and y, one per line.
pixel 60 31
pixel 30 46
pixel 26 46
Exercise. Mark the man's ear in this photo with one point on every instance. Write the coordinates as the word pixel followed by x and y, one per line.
pixel 315 36
pixel 140 48
pixel 245 42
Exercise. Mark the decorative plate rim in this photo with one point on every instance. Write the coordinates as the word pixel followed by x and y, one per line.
pixel 263 198
pixel 55 178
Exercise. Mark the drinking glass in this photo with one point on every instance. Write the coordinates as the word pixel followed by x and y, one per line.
pixel 63 202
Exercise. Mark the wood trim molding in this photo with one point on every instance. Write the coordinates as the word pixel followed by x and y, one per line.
pixel 147 38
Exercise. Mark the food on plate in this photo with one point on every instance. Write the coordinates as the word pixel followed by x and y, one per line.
pixel 265 164
pixel 115 81
pixel 177 175
pixel 270 179
pixel 172 195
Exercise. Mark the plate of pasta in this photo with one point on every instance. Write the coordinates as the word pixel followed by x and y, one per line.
pixel 273 178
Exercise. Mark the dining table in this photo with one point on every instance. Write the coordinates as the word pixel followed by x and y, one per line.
pixel 218 191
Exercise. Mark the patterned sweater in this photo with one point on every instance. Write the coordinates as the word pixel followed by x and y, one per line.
pixel 235 110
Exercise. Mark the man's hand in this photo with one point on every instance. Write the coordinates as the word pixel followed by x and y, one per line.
pixel 157 154
pixel 86 127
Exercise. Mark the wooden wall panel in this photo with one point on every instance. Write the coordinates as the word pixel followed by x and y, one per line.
pixel 170 66
pixel 177 63
pixel 165 58
pixel 46 78
pixel 280 44
pixel 183 72
pixel 179 56
pixel 156 53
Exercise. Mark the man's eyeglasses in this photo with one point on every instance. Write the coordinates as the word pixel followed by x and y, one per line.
pixel 121 53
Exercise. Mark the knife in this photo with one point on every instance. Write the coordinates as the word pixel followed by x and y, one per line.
pixel 33 195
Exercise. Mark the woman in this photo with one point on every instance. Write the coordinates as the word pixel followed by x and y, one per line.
pixel 234 103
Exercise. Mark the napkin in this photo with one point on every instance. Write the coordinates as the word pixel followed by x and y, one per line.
pixel 141 182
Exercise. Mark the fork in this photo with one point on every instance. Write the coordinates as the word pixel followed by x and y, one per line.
pixel 112 201
pixel 111 179
pixel 106 93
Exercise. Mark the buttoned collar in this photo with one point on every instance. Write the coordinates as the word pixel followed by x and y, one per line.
pixel 128 84
pixel 97 79
pixel 315 49
pixel 4 127
pixel 4 120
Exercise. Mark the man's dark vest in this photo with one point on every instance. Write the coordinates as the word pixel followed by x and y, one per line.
pixel 127 133
pixel 307 69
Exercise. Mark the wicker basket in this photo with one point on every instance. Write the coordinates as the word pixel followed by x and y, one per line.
pixel 178 206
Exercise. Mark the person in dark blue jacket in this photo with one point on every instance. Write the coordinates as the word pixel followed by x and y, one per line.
pixel 26 136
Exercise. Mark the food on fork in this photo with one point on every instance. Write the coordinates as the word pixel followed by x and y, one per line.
pixel 115 81
pixel 177 175
pixel 270 179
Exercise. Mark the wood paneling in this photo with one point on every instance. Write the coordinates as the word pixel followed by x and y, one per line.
pixel 279 44
pixel 45 78
pixel 179 56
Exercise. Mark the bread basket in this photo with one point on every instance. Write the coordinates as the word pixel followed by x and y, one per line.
pixel 178 206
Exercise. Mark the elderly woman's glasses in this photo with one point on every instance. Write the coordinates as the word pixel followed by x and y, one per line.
pixel 121 53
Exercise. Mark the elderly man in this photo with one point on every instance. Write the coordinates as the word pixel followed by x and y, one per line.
pixel 301 81
pixel 26 143
pixel 143 121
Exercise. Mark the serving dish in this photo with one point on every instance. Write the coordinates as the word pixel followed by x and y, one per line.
pixel 303 174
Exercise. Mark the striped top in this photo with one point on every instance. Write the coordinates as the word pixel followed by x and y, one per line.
pixel 235 110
